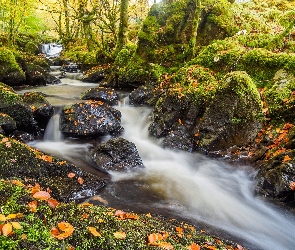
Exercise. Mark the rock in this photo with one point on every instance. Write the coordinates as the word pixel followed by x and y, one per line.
pixel 10 72
pixel 12 104
pixel 235 115
pixel 94 77
pixel 30 165
pixel 117 155
pixel 275 176
pixel 7 124
pixel 92 118
pixel 141 95
pixel 43 110
pixel 52 80
pixel 107 95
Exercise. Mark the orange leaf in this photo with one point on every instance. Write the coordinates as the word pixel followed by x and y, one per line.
pixel 7 229
pixel 41 195
pixel 286 158
pixel 52 202
pixel 94 231
pixel 71 175
pixel 179 229
pixel 194 246
pixel 3 217
pixel 154 237
pixel 84 216
pixel 120 235
pixel 67 229
pixel 54 231
pixel 16 225
pixel 36 188
pixel 164 245
pixel 292 185
pixel 80 180
pixel 33 206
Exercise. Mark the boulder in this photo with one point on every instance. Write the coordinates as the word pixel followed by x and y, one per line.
pixel 275 177
pixel 107 95
pixel 7 124
pixel 117 154
pixel 12 104
pixel 92 118
pixel 94 76
pixel 65 181
pixel 235 115
pixel 42 109
pixel 10 72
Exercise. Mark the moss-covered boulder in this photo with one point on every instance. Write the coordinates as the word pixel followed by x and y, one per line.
pixel 181 100
pixel 90 119
pixel 235 115
pixel 117 154
pixel 7 124
pixel 66 181
pixel 10 72
pixel 107 95
pixel 42 109
pixel 36 68
pixel 12 104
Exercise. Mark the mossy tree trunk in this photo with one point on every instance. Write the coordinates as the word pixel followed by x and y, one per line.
pixel 123 26
pixel 195 25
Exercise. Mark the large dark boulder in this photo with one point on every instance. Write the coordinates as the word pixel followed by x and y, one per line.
pixel 275 176
pixel 117 154
pixel 12 104
pixel 66 181
pixel 7 124
pixel 235 115
pixel 10 72
pixel 89 119
pixel 107 95
pixel 42 109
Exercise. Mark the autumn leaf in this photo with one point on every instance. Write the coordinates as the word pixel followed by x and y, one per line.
pixel 286 158
pixel 84 216
pixel 52 202
pixel 193 246
pixel 152 238
pixel 7 229
pixel 3 217
pixel 16 225
pixel 292 185
pixel 120 235
pixel 80 181
pixel 41 195
pixel 33 206
pixel 71 175
pixel 94 231
pixel 164 245
pixel 67 229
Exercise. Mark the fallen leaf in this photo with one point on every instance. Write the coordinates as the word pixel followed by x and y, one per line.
pixel 94 231
pixel 80 180
pixel 71 175
pixel 7 229
pixel 120 235
pixel 33 206
pixel 164 245
pixel 16 225
pixel 3 217
pixel 67 229
pixel 154 237
pixel 41 195
pixel 100 199
pixel 292 185
pixel 193 246
pixel 286 158
pixel 52 202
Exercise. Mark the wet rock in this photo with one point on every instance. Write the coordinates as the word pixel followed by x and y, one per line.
pixel 141 95
pixel 42 109
pixel 235 115
pixel 30 165
pixel 94 77
pixel 7 124
pixel 117 155
pixel 52 80
pixel 275 176
pixel 107 95
pixel 89 119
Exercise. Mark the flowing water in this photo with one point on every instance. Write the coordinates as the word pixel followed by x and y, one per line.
pixel 206 192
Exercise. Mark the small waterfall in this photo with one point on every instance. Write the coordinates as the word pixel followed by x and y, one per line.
pixel 52 132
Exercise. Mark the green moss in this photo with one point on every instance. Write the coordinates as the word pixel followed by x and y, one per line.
pixel 35 99
pixel 8 96
pixel 8 62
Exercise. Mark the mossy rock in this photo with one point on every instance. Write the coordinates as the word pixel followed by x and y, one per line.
pixel 8 96
pixel 280 98
pixel 10 72
pixel 28 164
pixel 7 123
pixel 235 115
pixel 90 226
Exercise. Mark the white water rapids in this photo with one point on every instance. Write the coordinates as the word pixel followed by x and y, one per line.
pixel 200 189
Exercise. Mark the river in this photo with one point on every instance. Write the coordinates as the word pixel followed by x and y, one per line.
pixel 212 194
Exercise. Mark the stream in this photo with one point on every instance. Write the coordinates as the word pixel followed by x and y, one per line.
pixel 211 194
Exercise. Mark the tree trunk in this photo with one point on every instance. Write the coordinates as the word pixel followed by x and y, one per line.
pixel 123 26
